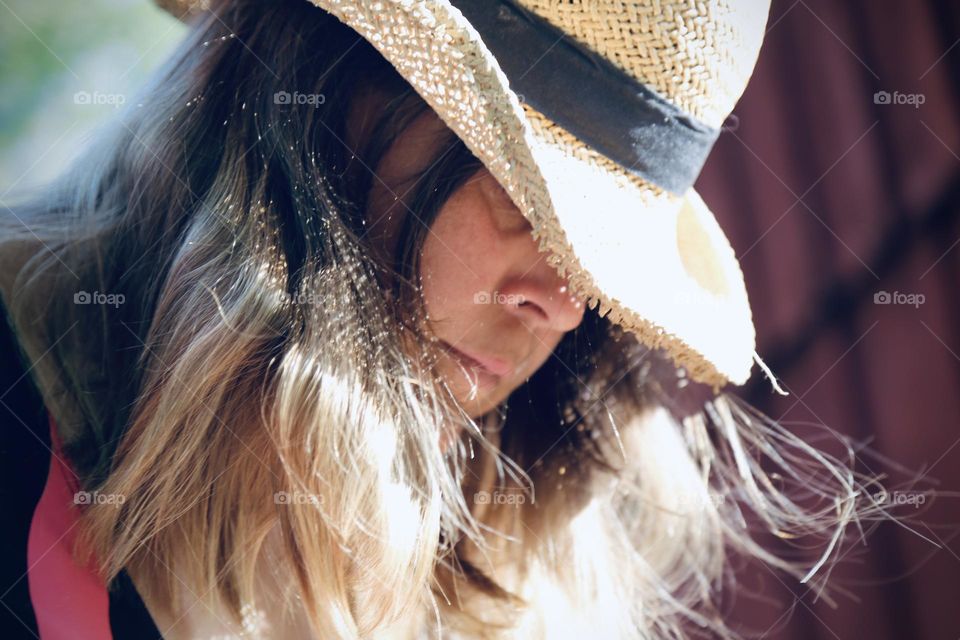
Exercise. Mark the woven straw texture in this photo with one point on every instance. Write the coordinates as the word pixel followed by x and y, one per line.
pixel 697 54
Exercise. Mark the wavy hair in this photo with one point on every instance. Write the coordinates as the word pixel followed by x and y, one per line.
pixel 265 394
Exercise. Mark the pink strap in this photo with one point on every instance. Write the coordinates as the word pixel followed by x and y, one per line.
pixel 69 601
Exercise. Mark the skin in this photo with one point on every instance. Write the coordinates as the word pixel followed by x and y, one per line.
pixel 491 295
pixel 496 306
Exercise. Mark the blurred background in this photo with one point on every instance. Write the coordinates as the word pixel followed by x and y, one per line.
pixel 837 180
pixel 838 183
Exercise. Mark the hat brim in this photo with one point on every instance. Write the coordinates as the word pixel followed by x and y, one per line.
pixel 658 264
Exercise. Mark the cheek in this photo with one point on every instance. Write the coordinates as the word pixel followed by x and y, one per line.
pixel 459 261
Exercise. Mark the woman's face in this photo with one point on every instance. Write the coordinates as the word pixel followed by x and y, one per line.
pixel 495 305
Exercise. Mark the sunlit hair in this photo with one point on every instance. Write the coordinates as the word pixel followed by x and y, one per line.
pixel 256 401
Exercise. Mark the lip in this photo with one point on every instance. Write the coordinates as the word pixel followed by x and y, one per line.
pixel 489 366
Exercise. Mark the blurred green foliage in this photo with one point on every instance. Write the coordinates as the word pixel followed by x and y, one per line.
pixel 49 51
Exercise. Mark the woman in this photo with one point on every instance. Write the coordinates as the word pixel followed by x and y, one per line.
pixel 328 352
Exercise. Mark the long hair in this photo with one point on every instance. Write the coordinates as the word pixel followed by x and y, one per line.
pixel 253 395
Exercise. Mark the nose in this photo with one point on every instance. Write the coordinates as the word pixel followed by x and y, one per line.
pixel 540 298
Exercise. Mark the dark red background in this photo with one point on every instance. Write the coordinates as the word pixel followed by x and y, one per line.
pixel 829 198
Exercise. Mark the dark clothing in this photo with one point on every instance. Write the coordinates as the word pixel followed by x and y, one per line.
pixel 43 592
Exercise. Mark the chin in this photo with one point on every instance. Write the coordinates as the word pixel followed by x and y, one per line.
pixel 484 401
pixel 480 405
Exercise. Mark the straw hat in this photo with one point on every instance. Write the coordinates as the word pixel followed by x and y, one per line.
pixel 596 117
